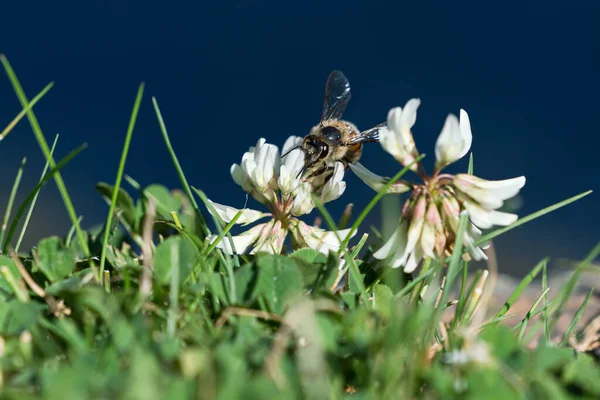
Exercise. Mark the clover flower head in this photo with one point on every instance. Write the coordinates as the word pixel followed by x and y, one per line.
pixel 276 182
pixel 430 217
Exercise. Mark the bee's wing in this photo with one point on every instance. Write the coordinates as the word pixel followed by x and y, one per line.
pixel 369 135
pixel 337 96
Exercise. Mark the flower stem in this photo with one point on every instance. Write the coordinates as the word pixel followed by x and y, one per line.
pixel 416 293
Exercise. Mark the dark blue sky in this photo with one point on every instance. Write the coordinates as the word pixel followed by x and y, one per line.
pixel 226 73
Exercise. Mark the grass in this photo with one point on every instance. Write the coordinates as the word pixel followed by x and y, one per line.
pixel 170 315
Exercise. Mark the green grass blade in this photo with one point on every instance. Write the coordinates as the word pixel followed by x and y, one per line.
pixel 529 315
pixel 410 285
pixel 521 287
pixel 376 199
pixel 530 217
pixel 470 168
pixel 462 296
pixel 453 266
pixel 24 111
pixel 354 272
pixel 224 232
pixel 46 150
pixel 567 289
pixel 124 152
pixel 11 199
pixel 173 293
pixel 227 260
pixel 32 206
pixel 577 317
pixel 36 189
pixel 545 314
pixel 182 178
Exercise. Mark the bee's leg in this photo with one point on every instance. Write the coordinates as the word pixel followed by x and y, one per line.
pixel 318 171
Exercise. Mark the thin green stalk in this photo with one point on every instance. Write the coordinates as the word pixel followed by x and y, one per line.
pixel 36 189
pixel 462 295
pixel 416 294
pixel 530 217
pixel 70 234
pixel 409 286
pixel 224 232
pixel 545 314
pixel 376 199
pixel 361 243
pixel 475 298
pixel 529 315
pixel 577 317
pixel 46 150
pixel 113 202
pixel 184 182
pixel 173 293
pixel 521 287
pixel 354 272
pixel 227 261
pixel 453 266
pixel 32 206
pixel 15 285
pixel 11 199
pixel 107 281
pixel 24 111
pixel 567 289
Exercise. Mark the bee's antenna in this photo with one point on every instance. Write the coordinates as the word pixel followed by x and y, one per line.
pixel 292 149
pixel 301 171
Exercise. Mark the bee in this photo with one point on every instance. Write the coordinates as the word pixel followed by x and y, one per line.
pixel 334 139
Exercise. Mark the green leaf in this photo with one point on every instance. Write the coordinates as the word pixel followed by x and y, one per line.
pixel 174 248
pixel 55 261
pixel 165 201
pixel 15 317
pixel 124 203
pixel 245 283
pixel 310 255
pixel 584 373
pixel 5 290
pixel 382 298
pixel 279 280
pixel 71 284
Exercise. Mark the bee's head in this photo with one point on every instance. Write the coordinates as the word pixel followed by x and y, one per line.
pixel 314 149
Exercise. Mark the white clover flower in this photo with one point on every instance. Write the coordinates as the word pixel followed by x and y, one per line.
pixel 276 182
pixel 430 217
pixel 397 139
pixel 454 140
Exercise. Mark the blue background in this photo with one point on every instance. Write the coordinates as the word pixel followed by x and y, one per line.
pixel 227 73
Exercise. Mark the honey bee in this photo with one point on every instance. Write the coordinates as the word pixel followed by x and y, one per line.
pixel 334 139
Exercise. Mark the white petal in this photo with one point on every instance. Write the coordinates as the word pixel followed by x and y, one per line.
pixel 335 186
pixel 319 239
pixel 377 182
pixel 465 131
pixel 485 219
pixel 290 143
pixel 393 243
pixel 239 176
pixel 416 226
pixel 303 203
pixel 394 249
pixel 409 115
pixel 397 138
pixel 428 239
pixel 241 242
pixel 227 213
pixel 290 169
pixel 451 145
pixel 490 194
pixel 413 261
